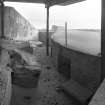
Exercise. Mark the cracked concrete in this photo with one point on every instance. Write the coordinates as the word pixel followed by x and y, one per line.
pixel 49 80
pixel 46 92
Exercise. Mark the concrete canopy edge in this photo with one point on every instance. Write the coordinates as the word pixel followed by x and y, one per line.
pixel 50 2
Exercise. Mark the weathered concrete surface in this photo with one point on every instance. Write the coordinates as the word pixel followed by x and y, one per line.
pixel 29 58
pixel 0 21
pixel 5 86
pixel 26 76
pixel 42 36
pixel 5 79
pixel 74 89
pixel 17 27
pixel 5 73
pixel 85 69
pixel 12 44
pixel 45 93
pixel 49 80
pixel 25 96
pixel 99 97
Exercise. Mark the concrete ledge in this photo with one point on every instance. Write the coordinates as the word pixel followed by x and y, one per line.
pixel 77 91
pixel 99 97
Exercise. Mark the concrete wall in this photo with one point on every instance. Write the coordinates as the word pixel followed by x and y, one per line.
pixel 84 68
pixel 5 78
pixel 42 36
pixel 5 87
pixel 0 21
pixel 17 27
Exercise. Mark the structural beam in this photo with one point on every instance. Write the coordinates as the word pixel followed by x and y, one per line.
pixel 2 18
pixel 66 34
pixel 63 2
pixel 103 41
pixel 51 2
pixel 47 30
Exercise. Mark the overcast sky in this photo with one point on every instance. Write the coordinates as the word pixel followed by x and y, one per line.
pixel 86 14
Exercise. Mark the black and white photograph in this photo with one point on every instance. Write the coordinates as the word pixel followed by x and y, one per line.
pixel 52 52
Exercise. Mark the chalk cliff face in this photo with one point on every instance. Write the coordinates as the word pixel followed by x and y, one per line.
pixel 17 27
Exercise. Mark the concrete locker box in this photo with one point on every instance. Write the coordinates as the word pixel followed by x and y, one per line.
pixel 24 96
pixel 64 65
pixel 24 89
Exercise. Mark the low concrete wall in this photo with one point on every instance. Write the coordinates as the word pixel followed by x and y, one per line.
pixel 5 79
pixel 42 36
pixel 16 26
pixel 5 86
pixel 83 68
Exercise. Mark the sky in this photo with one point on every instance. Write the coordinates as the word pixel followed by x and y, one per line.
pixel 82 15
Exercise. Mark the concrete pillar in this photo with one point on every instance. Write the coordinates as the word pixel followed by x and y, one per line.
pixel 2 18
pixel 103 41
pixel 47 30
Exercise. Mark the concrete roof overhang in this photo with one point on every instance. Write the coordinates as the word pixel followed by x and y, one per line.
pixel 50 2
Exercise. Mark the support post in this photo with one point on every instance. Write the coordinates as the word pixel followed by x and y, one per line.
pixel 47 31
pixel 103 41
pixel 2 18
pixel 66 34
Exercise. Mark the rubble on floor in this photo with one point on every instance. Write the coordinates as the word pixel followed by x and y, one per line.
pixel 49 80
pixel 45 93
pixel 35 79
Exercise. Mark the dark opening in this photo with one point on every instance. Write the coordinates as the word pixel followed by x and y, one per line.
pixel 64 66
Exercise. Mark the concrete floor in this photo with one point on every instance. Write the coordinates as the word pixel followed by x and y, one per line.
pixel 46 92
